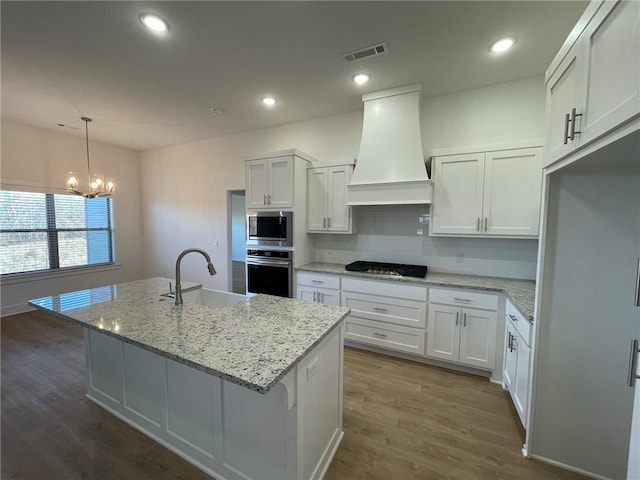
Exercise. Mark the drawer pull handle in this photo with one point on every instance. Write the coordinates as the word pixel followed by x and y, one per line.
pixel 381 335
pixel 464 321
pixel 457 318
pixel 513 317
pixel 378 309
pixel 458 299
pixel 317 281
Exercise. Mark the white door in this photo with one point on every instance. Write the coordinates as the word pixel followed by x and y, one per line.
pixel 280 181
pixel 611 48
pixel 478 338
pixel 512 189
pixel 256 184
pixel 563 94
pixel 338 213
pixel 443 332
pixel 521 390
pixel 316 199
pixel 458 191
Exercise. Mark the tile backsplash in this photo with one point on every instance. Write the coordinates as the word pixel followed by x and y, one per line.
pixel 391 233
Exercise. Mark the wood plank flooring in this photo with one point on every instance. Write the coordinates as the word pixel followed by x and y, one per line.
pixel 402 420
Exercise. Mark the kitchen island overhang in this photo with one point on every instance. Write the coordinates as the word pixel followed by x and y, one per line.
pixel 249 390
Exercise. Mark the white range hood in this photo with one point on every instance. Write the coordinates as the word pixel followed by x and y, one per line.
pixel 390 167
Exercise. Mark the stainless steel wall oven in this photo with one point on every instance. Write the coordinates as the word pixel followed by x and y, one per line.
pixel 270 272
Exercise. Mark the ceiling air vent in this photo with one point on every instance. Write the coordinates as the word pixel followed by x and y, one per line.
pixel 366 52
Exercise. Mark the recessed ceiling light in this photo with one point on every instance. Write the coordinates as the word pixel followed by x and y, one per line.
pixel 502 45
pixel 361 78
pixel 269 101
pixel 153 22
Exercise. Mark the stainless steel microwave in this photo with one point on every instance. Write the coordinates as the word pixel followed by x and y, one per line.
pixel 270 229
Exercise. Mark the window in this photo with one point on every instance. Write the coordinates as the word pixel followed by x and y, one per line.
pixel 44 231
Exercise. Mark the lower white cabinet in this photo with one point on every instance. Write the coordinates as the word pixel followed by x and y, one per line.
pixel 517 360
pixel 318 288
pixel 461 334
pixel 385 314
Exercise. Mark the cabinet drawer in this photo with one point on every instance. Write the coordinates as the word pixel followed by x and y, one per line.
pixel 393 337
pixel 395 310
pixel 463 298
pixel 519 322
pixel 318 280
pixel 387 289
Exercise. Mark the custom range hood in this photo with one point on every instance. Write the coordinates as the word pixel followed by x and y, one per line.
pixel 390 168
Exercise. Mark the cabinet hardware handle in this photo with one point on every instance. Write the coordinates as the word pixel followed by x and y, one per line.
pixel 380 334
pixel 324 223
pixel 329 222
pixel 378 309
pixel 566 128
pixel 485 223
pixel 633 362
pixel 574 132
pixel 264 200
pixel 457 318
pixel 478 224
pixel 509 341
pixel 317 281
pixel 637 299
pixel 464 320
pixel 314 296
pixel 513 343
pixel 458 299
pixel 513 317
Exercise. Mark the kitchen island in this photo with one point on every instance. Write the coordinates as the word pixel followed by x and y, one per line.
pixel 240 387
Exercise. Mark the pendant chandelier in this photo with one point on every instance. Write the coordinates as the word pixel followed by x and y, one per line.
pixel 99 186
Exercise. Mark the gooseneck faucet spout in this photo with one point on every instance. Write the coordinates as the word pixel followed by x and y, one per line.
pixel 212 271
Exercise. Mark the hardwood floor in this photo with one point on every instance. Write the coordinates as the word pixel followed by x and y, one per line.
pixel 401 420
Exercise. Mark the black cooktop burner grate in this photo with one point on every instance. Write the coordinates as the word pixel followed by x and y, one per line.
pixel 393 269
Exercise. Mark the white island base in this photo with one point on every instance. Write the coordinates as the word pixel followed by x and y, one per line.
pixel 226 430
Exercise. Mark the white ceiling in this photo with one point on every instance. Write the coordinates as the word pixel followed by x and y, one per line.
pixel 64 60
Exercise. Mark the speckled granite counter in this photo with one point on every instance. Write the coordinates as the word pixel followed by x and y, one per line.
pixel 521 292
pixel 253 343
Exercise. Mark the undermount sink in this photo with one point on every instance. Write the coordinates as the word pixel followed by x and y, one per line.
pixel 211 298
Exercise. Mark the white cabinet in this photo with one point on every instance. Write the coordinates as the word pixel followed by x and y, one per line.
pixel 593 86
pixel 492 194
pixel 462 334
pixel 517 360
pixel 327 211
pixel 269 183
pixel 385 314
pixel 313 287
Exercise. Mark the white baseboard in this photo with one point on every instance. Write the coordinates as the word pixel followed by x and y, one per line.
pixel 569 467
pixel 15 309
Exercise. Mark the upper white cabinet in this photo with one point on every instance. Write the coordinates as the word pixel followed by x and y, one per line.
pixel 593 84
pixel 491 193
pixel 327 211
pixel 269 183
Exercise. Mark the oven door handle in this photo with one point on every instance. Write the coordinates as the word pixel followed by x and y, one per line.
pixel 275 263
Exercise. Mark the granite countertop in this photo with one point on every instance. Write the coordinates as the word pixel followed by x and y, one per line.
pixel 253 343
pixel 521 292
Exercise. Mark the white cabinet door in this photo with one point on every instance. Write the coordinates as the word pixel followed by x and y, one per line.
pixel 307 294
pixel 328 297
pixel 512 189
pixel 256 183
pixel 563 94
pixel 478 338
pixel 443 332
pixel 611 48
pixel 510 359
pixel 520 391
pixel 458 192
pixel 338 213
pixel 317 179
pixel 280 184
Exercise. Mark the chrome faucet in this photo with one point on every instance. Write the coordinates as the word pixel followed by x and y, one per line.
pixel 212 271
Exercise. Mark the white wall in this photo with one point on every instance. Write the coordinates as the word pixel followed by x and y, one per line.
pixel 39 159
pixel 185 187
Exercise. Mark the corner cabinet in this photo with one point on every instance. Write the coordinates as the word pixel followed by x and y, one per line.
pixel 327 210
pixel 487 193
pixel 462 327
pixel 593 84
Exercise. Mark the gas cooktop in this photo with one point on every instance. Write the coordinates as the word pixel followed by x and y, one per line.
pixel 394 269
